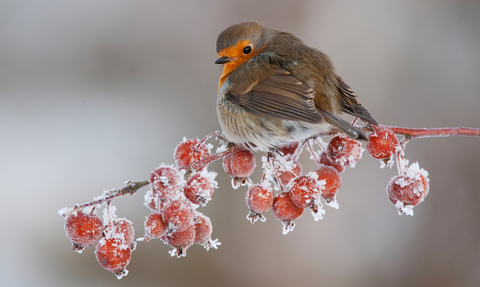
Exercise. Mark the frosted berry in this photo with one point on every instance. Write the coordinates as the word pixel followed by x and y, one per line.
pixel 333 181
pixel 124 229
pixel 407 190
pixel 382 144
pixel 153 201
pixel 83 229
pixel 306 190
pixel 167 182
pixel 113 256
pixel 181 240
pixel 239 164
pixel 289 151
pixel 177 215
pixel 203 229
pixel 286 211
pixel 344 150
pixel 326 161
pixel 154 226
pixel 199 188
pixel 286 176
pixel 259 199
pixel 190 151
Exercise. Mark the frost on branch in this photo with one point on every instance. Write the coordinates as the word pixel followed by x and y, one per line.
pixel 177 192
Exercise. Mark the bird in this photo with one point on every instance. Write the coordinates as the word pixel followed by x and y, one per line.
pixel 275 90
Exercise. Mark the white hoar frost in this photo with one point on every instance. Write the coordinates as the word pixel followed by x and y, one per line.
pixel 317 209
pixel 404 208
pixel 111 230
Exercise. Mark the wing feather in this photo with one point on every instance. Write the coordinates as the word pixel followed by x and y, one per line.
pixel 281 96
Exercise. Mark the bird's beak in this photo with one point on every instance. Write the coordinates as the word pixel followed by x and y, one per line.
pixel 223 60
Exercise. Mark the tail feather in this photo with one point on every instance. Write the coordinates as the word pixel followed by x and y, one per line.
pixel 351 104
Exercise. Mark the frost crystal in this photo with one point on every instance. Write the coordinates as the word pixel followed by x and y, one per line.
pixel 287 227
pixel 402 208
pixel 178 252
pixel 113 230
pixel 318 212
pixel 414 171
pixel 122 273
pixel 222 148
pixel 333 202
pixel 63 211
pixel 384 163
pixel 212 244
pixel 267 167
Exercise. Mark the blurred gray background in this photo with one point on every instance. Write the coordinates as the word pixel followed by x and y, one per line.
pixel 94 93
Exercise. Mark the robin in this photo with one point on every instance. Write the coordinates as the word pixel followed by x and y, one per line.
pixel 274 89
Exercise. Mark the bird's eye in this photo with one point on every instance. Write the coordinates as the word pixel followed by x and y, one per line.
pixel 247 50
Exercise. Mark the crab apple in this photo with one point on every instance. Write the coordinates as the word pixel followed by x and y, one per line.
pixel 239 164
pixel 203 229
pixel 199 188
pixel 124 228
pixel 333 181
pixel 286 176
pixel 167 181
pixel 382 144
pixel 177 215
pixel 181 240
pixel 289 151
pixel 190 151
pixel 259 199
pixel 154 226
pixel 153 201
pixel 344 150
pixel 326 161
pixel 83 229
pixel 408 189
pixel 286 211
pixel 306 190
pixel 113 256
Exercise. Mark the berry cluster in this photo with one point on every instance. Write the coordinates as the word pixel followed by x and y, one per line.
pixel 298 191
pixel 176 192
pixel 174 197
pixel 114 240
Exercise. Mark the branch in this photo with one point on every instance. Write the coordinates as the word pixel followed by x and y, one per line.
pixel 434 132
pixel 130 188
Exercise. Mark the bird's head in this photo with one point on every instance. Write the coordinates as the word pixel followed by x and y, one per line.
pixel 238 44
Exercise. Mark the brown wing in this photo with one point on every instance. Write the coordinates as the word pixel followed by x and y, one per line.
pixel 351 104
pixel 281 96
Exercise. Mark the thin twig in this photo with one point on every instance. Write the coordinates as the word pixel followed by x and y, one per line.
pixel 206 161
pixel 434 132
pixel 130 188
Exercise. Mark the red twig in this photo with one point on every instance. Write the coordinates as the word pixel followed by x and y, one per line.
pixel 314 156
pixel 206 161
pixel 434 132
